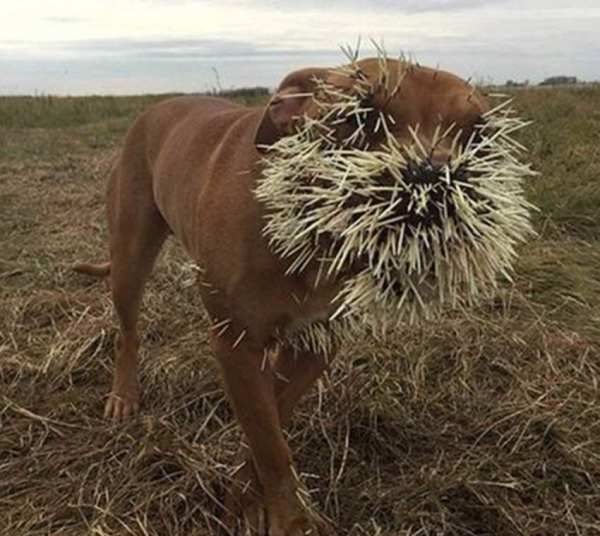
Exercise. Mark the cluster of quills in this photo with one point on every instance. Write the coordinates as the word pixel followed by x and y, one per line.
pixel 407 239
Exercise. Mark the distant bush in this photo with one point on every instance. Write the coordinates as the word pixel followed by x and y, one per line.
pixel 559 81
pixel 514 83
pixel 243 92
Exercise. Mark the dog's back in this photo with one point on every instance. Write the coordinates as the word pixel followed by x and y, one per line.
pixel 193 149
pixel 189 166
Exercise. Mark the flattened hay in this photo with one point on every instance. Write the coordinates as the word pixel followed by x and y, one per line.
pixel 483 423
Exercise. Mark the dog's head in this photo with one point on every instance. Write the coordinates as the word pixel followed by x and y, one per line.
pixel 410 97
pixel 398 178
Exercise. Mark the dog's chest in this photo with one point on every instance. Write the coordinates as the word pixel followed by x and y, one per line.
pixel 309 326
pixel 302 321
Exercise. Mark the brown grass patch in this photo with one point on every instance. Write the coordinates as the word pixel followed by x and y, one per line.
pixel 487 423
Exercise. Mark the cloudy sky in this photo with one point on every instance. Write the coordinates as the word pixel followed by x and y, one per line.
pixel 133 46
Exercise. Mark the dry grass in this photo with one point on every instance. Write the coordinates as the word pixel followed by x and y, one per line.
pixel 488 423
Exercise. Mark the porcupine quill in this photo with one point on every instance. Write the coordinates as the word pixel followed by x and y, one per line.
pixel 428 238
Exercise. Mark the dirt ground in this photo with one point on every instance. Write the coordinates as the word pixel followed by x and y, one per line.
pixel 487 423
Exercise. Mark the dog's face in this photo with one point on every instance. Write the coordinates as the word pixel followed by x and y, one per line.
pixel 395 177
pixel 413 98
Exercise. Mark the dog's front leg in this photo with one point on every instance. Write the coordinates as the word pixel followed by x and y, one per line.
pixel 250 384
pixel 296 372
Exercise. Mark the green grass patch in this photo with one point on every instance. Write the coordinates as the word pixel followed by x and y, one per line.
pixel 61 112
pixel 50 112
pixel 564 144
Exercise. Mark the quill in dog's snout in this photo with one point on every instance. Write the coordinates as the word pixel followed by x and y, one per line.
pixel 430 218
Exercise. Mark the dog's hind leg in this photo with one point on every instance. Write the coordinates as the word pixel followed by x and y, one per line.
pixel 137 232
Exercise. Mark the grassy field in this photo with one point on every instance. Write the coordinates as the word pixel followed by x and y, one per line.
pixel 487 423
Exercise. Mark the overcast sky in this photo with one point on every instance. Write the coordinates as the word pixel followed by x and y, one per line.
pixel 134 46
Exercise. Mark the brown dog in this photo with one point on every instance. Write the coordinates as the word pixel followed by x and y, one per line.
pixel 189 167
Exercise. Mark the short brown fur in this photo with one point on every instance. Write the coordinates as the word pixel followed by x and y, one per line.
pixel 189 167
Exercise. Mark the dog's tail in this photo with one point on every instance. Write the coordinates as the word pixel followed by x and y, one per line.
pixel 95 270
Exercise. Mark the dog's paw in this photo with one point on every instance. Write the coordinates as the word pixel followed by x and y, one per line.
pixel 246 512
pixel 297 517
pixel 306 524
pixel 243 504
pixel 252 521
pixel 120 405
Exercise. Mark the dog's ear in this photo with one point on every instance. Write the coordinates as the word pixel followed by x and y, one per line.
pixel 286 106
pixel 278 119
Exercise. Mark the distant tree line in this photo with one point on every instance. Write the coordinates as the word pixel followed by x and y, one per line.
pixel 247 92
pixel 551 81
pixel 559 81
